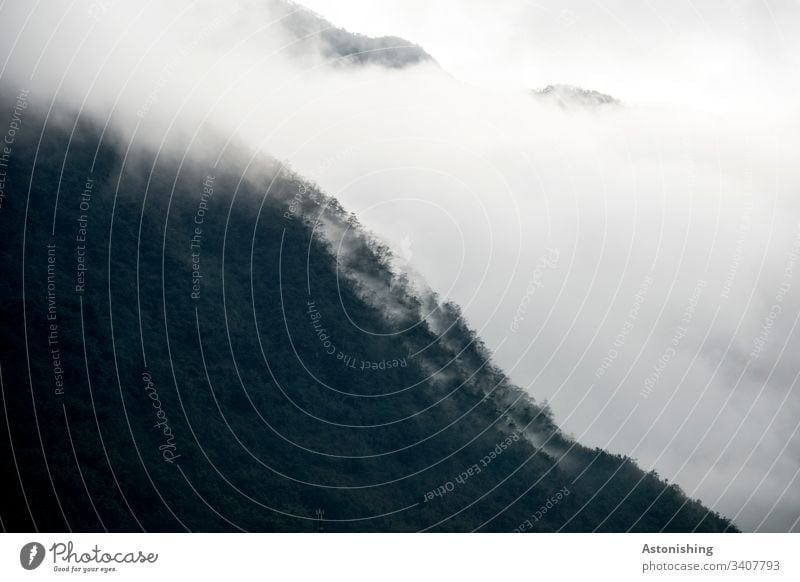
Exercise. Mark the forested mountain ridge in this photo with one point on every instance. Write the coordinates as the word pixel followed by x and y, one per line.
pixel 204 341
pixel 342 47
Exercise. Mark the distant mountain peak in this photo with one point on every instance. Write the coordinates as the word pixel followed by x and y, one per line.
pixel 349 48
pixel 572 96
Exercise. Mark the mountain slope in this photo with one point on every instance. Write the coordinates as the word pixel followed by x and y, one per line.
pixel 566 96
pixel 344 47
pixel 206 342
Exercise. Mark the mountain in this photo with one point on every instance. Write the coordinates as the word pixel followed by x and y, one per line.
pixel 568 96
pixel 347 48
pixel 205 341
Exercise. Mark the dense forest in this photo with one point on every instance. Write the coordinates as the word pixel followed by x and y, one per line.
pixel 200 340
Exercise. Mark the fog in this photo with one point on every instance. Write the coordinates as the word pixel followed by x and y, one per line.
pixel 633 264
pixel 711 55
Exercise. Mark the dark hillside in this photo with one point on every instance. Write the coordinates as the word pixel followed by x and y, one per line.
pixel 238 354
